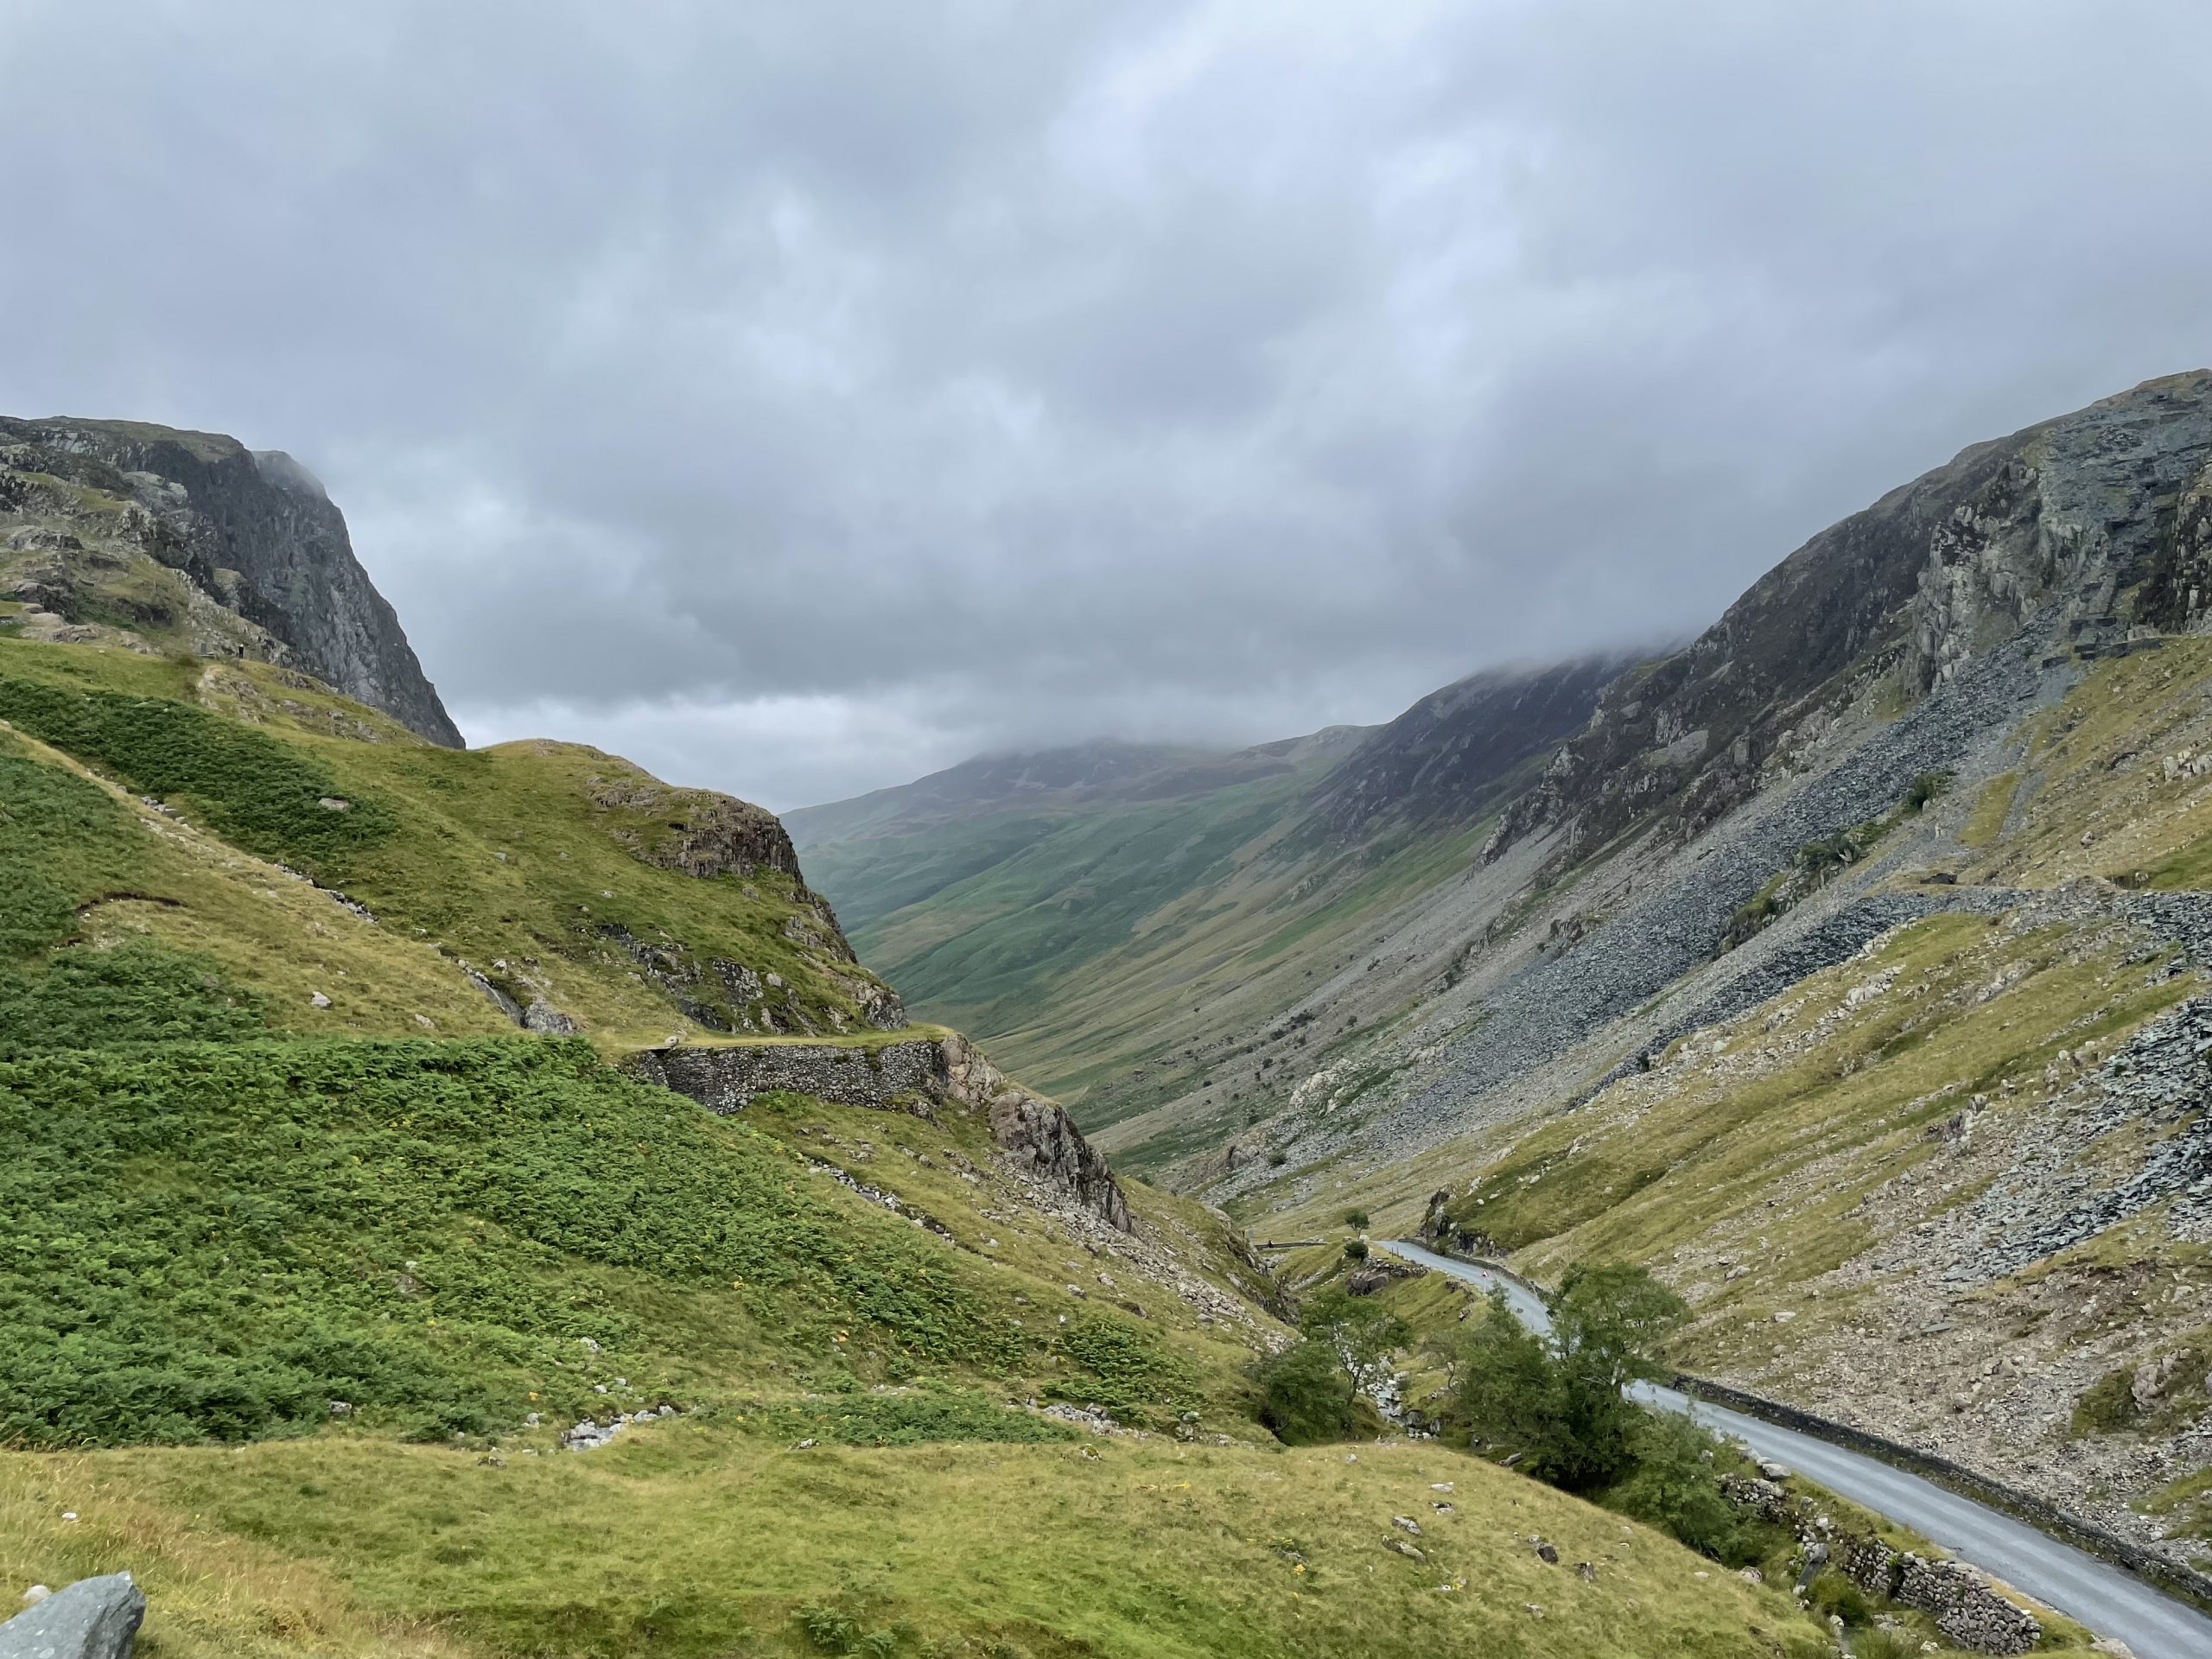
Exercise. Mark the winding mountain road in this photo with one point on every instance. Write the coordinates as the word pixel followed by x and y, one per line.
pixel 2111 1602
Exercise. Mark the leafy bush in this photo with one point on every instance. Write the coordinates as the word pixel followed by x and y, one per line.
pixel 1355 1249
pixel 1559 1402
pixel 1306 1394
pixel 1675 1484
pixel 1925 787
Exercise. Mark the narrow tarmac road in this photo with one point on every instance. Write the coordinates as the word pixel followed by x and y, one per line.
pixel 2110 1601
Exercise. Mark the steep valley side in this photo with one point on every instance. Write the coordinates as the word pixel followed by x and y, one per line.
pixel 1841 966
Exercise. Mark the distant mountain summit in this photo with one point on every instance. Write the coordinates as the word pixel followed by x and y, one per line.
pixel 145 536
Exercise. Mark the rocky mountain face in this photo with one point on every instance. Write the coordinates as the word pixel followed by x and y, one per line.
pixel 1458 752
pixel 2085 527
pixel 1846 966
pixel 189 540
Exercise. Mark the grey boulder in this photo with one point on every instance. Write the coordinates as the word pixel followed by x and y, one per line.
pixel 92 1618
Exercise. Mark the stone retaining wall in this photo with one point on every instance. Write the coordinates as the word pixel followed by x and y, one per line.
pixel 1967 1608
pixel 919 1074
pixel 724 1077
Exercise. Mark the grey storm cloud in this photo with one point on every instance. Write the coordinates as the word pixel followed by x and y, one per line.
pixel 798 398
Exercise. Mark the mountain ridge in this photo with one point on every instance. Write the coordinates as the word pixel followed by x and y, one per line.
pixel 168 527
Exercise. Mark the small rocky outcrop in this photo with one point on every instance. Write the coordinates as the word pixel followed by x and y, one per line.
pixel 695 832
pixel 1380 1273
pixel 92 1618
pixel 1036 1134
pixel 1040 1141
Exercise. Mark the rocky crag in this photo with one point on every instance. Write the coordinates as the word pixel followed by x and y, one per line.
pixel 145 535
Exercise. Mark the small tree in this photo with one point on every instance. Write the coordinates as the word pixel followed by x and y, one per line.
pixel 1363 1335
pixel 1559 1401
pixel 1306 1394
pixel 1606 1324
pixel 1355 1249
pixel 1504 1387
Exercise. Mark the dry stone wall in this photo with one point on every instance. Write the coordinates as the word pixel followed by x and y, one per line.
pixel 1036 1136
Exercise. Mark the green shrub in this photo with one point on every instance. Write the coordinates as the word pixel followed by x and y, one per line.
pixel 1355 1249
pixel 1356 1218
pixel 1675 1484
pixel 1559 1402
pixel 839 1625
pixel 1306 1394
pixel 1925 787
pixel 2107 1405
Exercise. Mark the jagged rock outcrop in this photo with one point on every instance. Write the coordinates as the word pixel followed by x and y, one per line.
pixel 1035 1133
pixel 2056 525
pixel 1039 1138
pixel 268 568
pixel 2179 595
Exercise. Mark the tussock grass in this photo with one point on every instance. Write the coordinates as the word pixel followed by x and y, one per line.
pixel 695 1538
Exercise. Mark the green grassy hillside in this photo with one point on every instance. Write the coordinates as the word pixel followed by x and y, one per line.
pixel 311 1261
pixel 717 1537
pixel 558 873
pixel 1105 953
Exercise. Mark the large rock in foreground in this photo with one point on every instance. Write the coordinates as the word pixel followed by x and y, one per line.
pixel 93 1619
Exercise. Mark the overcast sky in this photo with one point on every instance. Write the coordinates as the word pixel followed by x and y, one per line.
pixel 797 397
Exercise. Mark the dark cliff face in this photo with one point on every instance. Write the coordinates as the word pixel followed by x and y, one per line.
pixel 1458 752
pixel 256 533
pixel 2083 527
